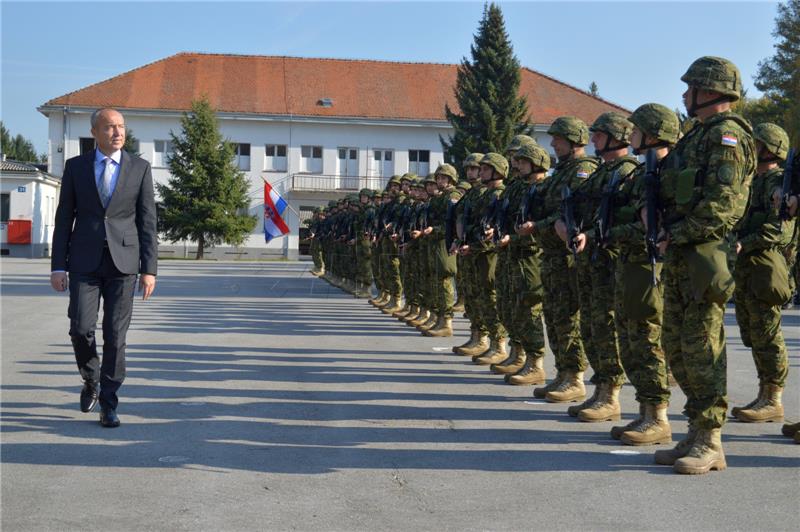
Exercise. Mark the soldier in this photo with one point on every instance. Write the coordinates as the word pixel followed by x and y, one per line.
pixel 316 247
pixel 494 169
pixel 559 276
pixel 479 340
pixel 409 253
pixel 525 326
pixel 703 194
pixel 762 278
pixel 463 187
pixel 610 134
pixel 365 212
pixel 420 312
pixel 382 246
pixel 427 283
pixel 638 304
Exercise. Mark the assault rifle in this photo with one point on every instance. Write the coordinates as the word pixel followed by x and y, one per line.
pixel 449 225
pixel 604 219
pixel 526 212
pixel 786 188
pixel 652 184
pixel 499 224
pixel 488 218
pixel 568 212
pixel 466 226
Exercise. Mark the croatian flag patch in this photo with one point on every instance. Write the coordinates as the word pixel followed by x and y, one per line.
pixel 586 174
pixel 729 140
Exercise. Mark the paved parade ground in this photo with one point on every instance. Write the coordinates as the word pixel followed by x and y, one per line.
pixel 259 397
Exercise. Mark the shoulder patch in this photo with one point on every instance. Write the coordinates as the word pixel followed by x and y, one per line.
pixel 582 174
pixel 729 139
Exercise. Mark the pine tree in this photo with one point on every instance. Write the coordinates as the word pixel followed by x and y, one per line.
pixel 205 199
pixel 779 76
pixel 18 148
pixel 593 89
pixel 131 143
pixel 491 111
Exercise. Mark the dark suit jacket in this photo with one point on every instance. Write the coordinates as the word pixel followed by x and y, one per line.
pixel 128 224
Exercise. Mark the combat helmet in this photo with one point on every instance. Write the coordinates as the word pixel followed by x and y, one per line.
pixel 430 178
pixel 463 185
pixel 536 154
pixel 366 192
pixel 715 74
pixel 615 125
pixel 408 176
pixel 774 138
pixel 496 161
pixel 657 121
pixel 571 128
pixel 518 141
pixel 448 170
pixel 473 159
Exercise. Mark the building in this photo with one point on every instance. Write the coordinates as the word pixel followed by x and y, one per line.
pixel 314 128
pixel 28 199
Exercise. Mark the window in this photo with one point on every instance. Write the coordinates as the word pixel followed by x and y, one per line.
pixel 311 159
pixel 242 152
pixel 86 144
pixel 419 162
pixel 5 207
pixel 275 158
pixel 162 153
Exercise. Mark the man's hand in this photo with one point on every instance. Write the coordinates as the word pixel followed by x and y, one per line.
pixel 504 241
pixel 463 250
pixel 525 229
pixel 561 230
pixel 59 281
pixel 663 243
pixel 489 233
pixel 738 247
pixel 428 230
pixel 580 242
pixel 147 283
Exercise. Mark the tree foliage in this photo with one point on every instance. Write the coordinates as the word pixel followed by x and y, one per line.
pixel 779 76
pixel 131 143
pixel 18 148
pixel 593 89
pixel 206 198
pixel 491 111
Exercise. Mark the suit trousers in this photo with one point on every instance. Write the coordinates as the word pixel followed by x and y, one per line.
pixel 116 289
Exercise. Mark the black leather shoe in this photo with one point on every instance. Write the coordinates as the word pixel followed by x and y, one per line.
pixel 88 396
pixel 108 417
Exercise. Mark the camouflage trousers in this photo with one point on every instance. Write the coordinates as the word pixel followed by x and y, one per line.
pixel 760 329
pixel 694 343
pixel 560 281
pixel 409 270
pixel 486 297
pixel 466 268
pixel 596 296
pixel 442 278
pixel 391 268
pixel 504 291
pixel 363 271
pixel 526 325
pixel 640 340
pixel 315 249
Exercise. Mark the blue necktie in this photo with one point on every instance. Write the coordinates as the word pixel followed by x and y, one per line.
pixel 104 187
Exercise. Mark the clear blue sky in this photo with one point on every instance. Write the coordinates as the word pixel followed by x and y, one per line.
pixel 634 51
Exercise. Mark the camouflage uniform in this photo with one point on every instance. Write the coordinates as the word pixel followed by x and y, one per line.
pixel 443 264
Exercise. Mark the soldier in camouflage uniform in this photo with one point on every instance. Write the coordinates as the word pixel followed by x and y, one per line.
pixel 559 271
pixel 316 247
pixel 363 247
pixel 638 304
pixel 478 341
pixel 463 187
pixel 410 253
pixel 494 169
pixel 374 232
pixel 610 134
pixel 390 262
pixel 761 239
pixel 704 187
pixel 525 324
pixel 506 261
pixel 442 262
pixel 420 310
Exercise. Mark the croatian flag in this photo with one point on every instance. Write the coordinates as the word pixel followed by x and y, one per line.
pixel 274 205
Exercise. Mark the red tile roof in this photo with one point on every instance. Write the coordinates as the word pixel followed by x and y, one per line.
pixel 290 85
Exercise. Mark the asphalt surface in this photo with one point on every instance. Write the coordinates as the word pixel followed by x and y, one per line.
pixel 261 398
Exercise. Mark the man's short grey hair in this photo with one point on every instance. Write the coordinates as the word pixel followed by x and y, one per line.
pixel 96 115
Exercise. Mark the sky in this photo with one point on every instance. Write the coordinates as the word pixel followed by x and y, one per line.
pixel 634 51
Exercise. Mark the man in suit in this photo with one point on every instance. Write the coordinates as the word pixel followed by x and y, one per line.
pixel 105 234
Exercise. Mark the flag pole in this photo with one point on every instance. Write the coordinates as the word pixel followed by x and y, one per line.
pixel 287 203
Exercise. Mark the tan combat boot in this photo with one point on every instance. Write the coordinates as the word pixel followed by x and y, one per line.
pixel 379 300
pixel 790 429
pixel 570 390
pixel 393 305
pixel 473 339
pixel 769 408
pixel 423 316
pixel 531 373
pixel 478 349
pixel 458 306
pixel 513 363
pixel 574 410
pixel 411 316
pixel 736 409
pixel 494 355
pixel 616 432
pixel 670 456
pixel 654 429
pixel 425 329
pixel 606 407
pixel 428 324
pixel 403 311
pixel 704 455
pixel 444 328
pixel 541 392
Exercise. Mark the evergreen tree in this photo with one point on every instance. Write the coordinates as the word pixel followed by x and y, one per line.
pixel 205 199
pixel 593 89
pixel 131 143
pixel 779 76
pixel 491 111
pixel 18 148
